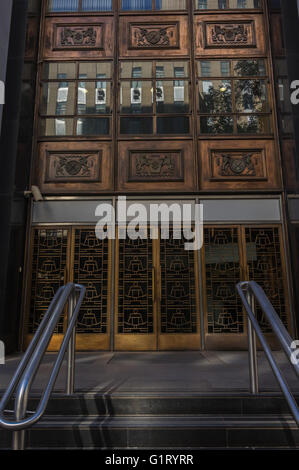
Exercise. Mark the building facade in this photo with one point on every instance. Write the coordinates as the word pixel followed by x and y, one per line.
pixel 165 101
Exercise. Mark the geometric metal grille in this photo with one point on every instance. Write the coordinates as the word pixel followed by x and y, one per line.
pixel 135 290
pixel 48 268
pixel 178 299
pixel 91 270
pixel 223 272
pixel 265 267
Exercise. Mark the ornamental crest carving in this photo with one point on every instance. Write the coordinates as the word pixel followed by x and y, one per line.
pixel 156 36
pixel 238 166
pixel 154 165
pixel 78 37
pixel 73 167
pixel 230 34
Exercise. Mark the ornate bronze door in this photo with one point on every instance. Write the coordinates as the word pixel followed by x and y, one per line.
pixel 59 255
pixel 156 297
pixel 232 254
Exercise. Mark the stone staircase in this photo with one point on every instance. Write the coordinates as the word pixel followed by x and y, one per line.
pixel 162 420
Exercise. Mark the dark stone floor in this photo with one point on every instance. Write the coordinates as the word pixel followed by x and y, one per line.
pixel 151 372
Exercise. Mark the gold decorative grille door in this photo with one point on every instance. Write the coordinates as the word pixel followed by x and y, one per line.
pixel 156 286
pixel 156 298
pixel 232 254
pixel 60 255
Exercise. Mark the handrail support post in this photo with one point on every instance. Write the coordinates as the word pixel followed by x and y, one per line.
pixel 252 350
pixel 71 347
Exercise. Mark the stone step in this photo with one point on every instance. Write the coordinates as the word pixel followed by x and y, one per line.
pixel 160 432
pixel 172 403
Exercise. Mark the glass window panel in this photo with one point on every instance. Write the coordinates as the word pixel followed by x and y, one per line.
pixel 136 125
pixel 56 127
pixel 170 4
pixel 214 68
pixel 226 4
pixel 216 125
pixel 136 97
pixel 172 96
pixel 251 96
pixel 168 69
pixel 136 70
pixel 57 98
pixel 94 69
pixel 215 96
pixel 249 68
pixel 63 5
pixel 94 97
pixel 173 125
pixel 136 4
pixel 96 5
pixel 93 126
pixel 253 124
pixel 61 70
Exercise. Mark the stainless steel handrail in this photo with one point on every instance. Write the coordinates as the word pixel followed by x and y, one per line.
pixel 250 292
pixel 30 363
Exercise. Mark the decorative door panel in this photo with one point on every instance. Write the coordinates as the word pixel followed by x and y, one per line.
pixel 149 37
pixel 179 304
pixel 60 255
pixel 233 254
pixel 134 296
pixel 78 168
pixel 222 255
pixel 266 267
pixel 88 37
pixel 156 166
pixel 233 35
pixel 50 259
pixel 243 165
pixel 91 267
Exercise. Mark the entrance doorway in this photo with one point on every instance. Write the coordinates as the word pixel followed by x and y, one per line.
pixel 149 294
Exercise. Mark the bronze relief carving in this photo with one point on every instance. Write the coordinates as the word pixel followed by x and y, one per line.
pixel 229 35
pixel 73 166
pixel 143 36
pixel 156 166
pixel 233 165
pixel 78 37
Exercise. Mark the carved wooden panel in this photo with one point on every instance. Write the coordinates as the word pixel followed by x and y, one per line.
pixel 74 167
pixel 147 37
pixel 238 165
pixel 156 166
pixel 75 37
pixel 163 36
pixel 238 35
pixel 78 37
pixel 229 34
